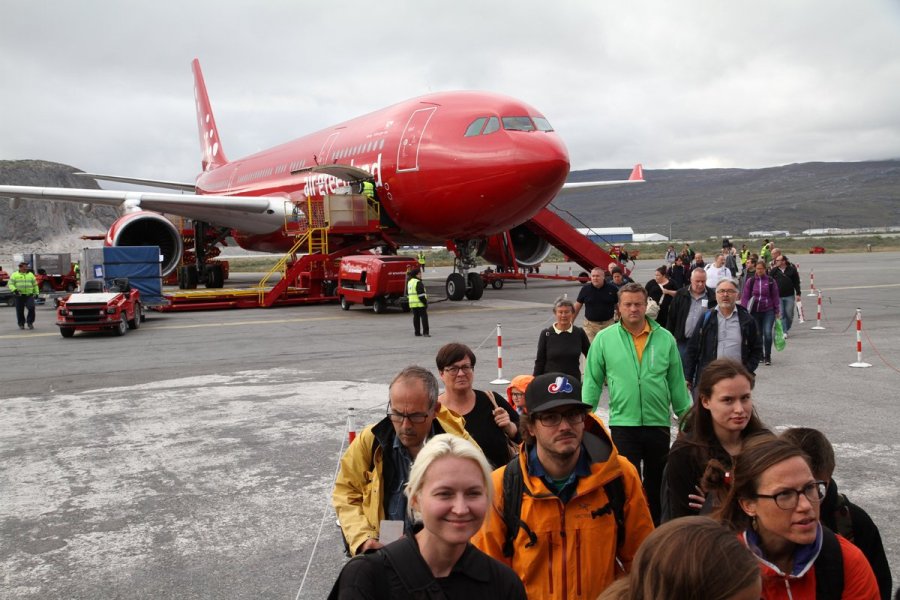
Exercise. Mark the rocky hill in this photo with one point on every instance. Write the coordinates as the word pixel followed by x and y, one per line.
pixel 691 203
pixel 698 203
pixel 38 226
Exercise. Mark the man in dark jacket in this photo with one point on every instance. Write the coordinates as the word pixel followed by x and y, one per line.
pixel 687 308
pixel 788 280
pixel 728 331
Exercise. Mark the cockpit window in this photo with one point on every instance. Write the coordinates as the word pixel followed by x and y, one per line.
pixel 492 126
pixel 518 124
pixel 542 124
pixel 475 127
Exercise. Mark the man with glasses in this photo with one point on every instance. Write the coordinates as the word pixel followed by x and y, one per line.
pixel 788 279
pixel 726 331
pixel 375 468
pixel 582 507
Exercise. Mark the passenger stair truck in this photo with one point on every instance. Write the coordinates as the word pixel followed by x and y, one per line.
pixel 141 265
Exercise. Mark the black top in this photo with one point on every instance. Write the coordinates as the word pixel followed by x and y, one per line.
pixel 599 303
pixel 655 291
pixel 481 426
pixel 561 352
pixel 475 575
pixel 684 470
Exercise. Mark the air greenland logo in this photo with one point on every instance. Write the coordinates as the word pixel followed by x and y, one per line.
pixel 560 386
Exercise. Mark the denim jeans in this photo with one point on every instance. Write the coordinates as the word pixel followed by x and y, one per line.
pixel 787 312
pixel 765 322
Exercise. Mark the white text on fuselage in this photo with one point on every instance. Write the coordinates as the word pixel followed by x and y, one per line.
pixel 321 184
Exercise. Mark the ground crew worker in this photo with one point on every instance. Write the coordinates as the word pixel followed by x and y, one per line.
pixel 24 285
pixel 368 189
pixel 418 302
pixel 420 256
pixel 76 270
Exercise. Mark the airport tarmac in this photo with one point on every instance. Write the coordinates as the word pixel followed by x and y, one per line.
pixel 194 457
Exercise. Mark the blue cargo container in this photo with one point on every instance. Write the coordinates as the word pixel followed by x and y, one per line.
pixel 141 265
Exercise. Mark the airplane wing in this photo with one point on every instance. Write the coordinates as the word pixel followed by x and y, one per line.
pixel 256 214
pixel 169 185
pixel 637 176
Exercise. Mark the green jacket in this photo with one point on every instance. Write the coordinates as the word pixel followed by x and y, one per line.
pixel 24 283
pixel 640 393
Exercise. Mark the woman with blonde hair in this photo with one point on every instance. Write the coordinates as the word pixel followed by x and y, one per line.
pixel 693 558
pixel 449 493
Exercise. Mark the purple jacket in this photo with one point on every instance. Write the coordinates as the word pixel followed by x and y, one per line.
pixel 764 291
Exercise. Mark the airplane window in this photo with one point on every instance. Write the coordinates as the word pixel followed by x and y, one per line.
pixel 475 127
pixel 492 126
pixel 542 124
pixel 518 124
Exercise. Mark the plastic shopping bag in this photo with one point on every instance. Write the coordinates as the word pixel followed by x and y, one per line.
pixel 779 336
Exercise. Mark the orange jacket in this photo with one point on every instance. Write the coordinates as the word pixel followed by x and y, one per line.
pixel 575 554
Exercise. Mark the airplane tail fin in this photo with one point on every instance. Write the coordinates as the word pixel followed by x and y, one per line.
pixel 637 173
pixel 210 145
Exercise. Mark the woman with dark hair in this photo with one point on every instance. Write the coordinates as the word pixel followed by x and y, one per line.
pixel 689 559
pixel 774 505
pixel 490 420
pixel 721 418
pixel 760 296
pixel 561 345
pixel 662 290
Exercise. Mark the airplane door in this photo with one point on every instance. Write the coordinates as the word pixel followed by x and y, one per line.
pixel 408 152
pixel 326 147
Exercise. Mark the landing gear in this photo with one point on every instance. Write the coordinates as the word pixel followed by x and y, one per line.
pixel 462 283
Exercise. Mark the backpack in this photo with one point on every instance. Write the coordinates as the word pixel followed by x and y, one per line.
pixel 829 568
pixel 514 487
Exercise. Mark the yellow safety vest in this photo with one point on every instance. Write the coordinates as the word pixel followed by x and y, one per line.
pixel 412 293
pixel 368 189
pixel 24 283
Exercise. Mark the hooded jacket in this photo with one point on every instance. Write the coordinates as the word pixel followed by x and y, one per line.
pixel 520 382
pixel 358 496
pixel 575 552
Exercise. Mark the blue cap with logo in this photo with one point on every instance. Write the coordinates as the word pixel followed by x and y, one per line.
pixel 551 390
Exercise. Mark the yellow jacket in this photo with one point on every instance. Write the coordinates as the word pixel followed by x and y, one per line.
pixel 358 496
pixel 575 553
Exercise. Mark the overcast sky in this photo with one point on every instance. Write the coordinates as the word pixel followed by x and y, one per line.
pixel 106 85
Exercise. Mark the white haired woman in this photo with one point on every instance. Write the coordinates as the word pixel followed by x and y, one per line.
pixel 449 494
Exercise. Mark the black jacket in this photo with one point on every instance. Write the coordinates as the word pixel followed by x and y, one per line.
pixel 702 347
pixel 788 282
pixel 837 514
pixel 679 309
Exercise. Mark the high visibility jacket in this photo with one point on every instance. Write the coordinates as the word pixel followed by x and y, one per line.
pixel 24 283
pixel 368 189
pixel 575 549
pixel 415 296
pixel 359 490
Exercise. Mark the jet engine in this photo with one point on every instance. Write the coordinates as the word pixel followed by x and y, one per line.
pixel 530 249
pixel 143 228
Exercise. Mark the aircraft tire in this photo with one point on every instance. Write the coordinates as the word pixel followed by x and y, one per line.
pixel 215 276
pixel 476 287
pixel 187 277
pixel 456 287
pixel 344 304
pixel 379 305
pixel 497 284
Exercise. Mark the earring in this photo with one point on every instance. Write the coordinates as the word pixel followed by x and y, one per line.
pixel 754 524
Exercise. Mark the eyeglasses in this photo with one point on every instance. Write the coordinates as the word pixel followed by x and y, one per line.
pixel 552 419
pixel 517 395
pixel 727 292
pixel 417 418
pixel 454 370
pixel 788 499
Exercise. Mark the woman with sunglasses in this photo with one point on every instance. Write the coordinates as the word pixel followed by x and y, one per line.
pixel 774 505
pixel 489 419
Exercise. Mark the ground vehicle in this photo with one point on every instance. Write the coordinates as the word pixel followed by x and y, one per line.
pixel 7 297
pixel 97 309
pixel 374 280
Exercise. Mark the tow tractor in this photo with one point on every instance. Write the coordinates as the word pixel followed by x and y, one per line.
pixel 376 281
pixel 98 309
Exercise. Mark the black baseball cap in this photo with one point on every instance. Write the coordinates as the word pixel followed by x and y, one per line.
pixel 551 390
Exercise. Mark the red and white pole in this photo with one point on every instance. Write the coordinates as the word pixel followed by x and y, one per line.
pixel 812 283
pixel 859 361
pixel 818 312
pixel 499 380
pixel 351 433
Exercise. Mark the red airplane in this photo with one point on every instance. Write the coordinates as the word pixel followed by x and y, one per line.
pixel 454 168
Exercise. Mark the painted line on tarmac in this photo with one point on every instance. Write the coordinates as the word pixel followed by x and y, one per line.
pixel 858 287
